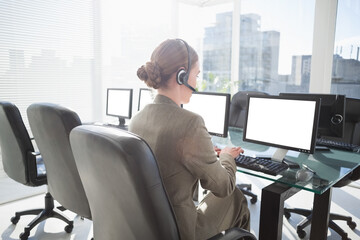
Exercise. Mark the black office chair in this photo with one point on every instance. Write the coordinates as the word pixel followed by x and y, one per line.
pixel 238 108
pixel 51 125
pixel 123 184
pixel 351 135
pixel 24 165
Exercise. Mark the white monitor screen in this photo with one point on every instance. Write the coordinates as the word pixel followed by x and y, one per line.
pixel 213 108
pixel 146 96
pixel 119 102
pixel 282 122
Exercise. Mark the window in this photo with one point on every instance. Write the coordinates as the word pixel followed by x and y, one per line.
pixel 208 30
pixel 130 31
pixel 274 45
pixel 346 61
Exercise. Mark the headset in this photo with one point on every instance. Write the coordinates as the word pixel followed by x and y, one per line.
pixel 182 75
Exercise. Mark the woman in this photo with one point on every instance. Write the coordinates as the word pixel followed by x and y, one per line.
pixel 183 147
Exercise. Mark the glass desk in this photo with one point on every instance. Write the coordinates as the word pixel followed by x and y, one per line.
pixel 330 167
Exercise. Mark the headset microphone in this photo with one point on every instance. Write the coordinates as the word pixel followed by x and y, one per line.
pixel 182 75
pixel 190 87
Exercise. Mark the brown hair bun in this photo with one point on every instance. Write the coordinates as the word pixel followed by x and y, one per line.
pixel 150 74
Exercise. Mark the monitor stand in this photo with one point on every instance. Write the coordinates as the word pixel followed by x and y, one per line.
pixel 279 156
pixel 122 123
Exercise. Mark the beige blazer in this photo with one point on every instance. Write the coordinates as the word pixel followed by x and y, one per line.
pixel 185 155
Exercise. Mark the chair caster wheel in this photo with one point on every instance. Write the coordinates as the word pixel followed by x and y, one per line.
pixel 351 224
pixel 287 215
pixel 68 228
pixel 24 235
pixel 15 220
pixel 253 200
pixel 301 233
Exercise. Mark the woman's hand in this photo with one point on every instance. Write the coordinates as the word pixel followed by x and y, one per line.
pixel 217 150
pixel 233 151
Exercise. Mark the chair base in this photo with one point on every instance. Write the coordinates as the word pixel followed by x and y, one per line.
pixel 308 214
pixel 42 214
pixel 246 190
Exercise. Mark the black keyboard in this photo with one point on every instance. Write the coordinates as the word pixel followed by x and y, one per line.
pixel 265 165
pixel 338 145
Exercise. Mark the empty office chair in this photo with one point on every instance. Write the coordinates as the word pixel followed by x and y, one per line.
pixel 352 136
pixel 24 165
pixel 123 184
pixel 352 121
pixel 51 125
pixel 238 108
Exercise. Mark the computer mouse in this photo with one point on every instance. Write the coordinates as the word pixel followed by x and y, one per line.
pixel 304 175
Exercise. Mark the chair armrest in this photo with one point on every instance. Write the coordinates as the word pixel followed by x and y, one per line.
pixel 36 169
pixel 35 153
pixel 234 234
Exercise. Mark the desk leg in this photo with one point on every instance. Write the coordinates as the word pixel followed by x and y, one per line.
pixel 272 210
pixel 321 209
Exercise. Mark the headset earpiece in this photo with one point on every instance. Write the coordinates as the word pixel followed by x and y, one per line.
pixel 181 76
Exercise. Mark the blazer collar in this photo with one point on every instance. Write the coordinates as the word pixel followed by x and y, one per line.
pixel 164 100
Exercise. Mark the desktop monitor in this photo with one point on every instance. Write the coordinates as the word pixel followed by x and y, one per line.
pixel 287 123
pixel 332 113
pixel 146 96
pixel 214 109
pixel 119 103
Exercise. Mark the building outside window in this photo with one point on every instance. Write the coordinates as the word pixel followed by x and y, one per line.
pixel 275 45
pixel 346 62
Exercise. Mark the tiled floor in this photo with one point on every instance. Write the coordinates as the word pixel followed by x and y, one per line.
pixel 345 201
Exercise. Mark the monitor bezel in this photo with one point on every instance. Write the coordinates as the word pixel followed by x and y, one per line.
pixel 314 128
pixel 140 91
pixel 130 102
pixel 329 132
pixel 224 134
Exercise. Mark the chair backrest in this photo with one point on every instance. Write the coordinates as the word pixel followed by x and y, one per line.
pixel 238 108
pixel 51 125
pixel 352 121
pixel 123 184
pixel 15 144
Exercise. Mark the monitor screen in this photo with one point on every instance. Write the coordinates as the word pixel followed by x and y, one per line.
pixel 119 103
pixel 332 113
pixel 146 96
pixel 214 109
pixel 283 122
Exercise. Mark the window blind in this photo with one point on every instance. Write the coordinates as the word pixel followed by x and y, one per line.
pixel 47 53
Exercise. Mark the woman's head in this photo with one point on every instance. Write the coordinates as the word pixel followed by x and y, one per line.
pixel 166 60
